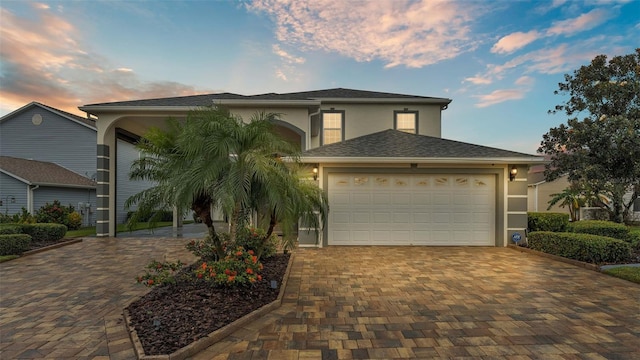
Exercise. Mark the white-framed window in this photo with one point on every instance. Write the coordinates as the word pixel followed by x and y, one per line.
pixel 332 126
pixel 406 121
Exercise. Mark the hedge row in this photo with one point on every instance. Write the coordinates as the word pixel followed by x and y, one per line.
pixel 602 228
pixel 14 244
pixel 547 221
pixel 589 248
pixel 160 216
pixel 38 232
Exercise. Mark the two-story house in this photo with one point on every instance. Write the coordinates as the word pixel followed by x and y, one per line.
pixel 47 154
pixel 390 177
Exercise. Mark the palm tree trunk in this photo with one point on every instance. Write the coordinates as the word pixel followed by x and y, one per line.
pixel 202 207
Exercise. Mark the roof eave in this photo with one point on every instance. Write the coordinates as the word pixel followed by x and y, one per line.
pixel 73 186
pixel 180 109
pixel 440 101
pixel 422 160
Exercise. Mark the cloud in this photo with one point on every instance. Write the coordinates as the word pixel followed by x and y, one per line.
pixel 479 80
pixel 524 83
pixel 401 32
pixel 44 59
pixel 499 96
pixel 581 23
pixel 514 41
pixel 286 56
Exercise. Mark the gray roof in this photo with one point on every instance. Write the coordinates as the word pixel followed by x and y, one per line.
pixel 398 144
pixel 35 172
pixel 89 122
pixel 209 99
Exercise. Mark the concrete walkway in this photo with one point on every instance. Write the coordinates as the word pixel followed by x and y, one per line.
pixel 341 302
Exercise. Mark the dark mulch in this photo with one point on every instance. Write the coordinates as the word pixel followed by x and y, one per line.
pixel 173 316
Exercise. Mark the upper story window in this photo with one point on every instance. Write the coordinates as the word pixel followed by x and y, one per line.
pixel 406 121
pixel 332 126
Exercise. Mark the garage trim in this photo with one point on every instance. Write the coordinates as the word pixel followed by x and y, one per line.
pixel 499 191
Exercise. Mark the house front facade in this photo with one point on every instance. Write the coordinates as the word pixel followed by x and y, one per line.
pixel 390 177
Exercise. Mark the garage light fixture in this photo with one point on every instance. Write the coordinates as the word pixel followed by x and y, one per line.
pixel 513 173
pixel 315 172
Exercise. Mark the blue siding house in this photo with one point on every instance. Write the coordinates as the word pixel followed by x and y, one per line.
pixel 66 143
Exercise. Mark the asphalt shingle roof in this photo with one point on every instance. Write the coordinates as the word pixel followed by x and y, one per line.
pixel 398 144
pixel 43 173
pixel 208 99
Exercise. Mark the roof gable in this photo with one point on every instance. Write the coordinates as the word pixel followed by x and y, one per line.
pixel 91 123
pixel 33 172
pixel 398 144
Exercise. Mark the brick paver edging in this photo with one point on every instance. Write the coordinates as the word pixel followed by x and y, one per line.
pixel 54 246
pixel 201 344
pixel 585 265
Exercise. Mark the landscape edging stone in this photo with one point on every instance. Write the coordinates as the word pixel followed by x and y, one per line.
pixel 203 343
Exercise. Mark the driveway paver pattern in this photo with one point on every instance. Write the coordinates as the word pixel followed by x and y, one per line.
pixel 428 302
pixel 67 303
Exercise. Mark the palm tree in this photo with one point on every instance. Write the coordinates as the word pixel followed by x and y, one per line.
pixel 570 197
pixel 215 159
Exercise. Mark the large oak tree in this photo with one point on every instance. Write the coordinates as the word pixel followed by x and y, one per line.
pixel 599 146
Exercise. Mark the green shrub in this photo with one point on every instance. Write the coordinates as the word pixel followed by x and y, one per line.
pixel 158 273
pixel 589 248
pixel 7 229
pixel 602 228
pixel 547 221
pixel 74 220
pixel 55 213
pixel 45 232
pixel 634 239
pixel 252 238
pixel 14 244
pixel 239 268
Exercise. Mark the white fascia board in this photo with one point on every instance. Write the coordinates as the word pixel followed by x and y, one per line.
pixel 422 160
pixel 15 177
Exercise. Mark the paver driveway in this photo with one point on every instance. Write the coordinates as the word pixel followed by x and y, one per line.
pixel 67 303
pixel 418 302
pixel 341 302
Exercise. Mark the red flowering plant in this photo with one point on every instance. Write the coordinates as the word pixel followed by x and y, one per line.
pixel 239 268
pixel 255 238
pixel 160 273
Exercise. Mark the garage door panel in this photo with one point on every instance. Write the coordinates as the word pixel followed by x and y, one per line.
pixel 439 209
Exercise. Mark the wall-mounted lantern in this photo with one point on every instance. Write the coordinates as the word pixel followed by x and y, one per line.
pixel 513 173
pixel 315 172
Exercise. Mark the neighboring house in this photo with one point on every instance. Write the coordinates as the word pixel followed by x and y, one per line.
pixel 541 191
pixel 390 178
pixel 32 184
pixel 40 132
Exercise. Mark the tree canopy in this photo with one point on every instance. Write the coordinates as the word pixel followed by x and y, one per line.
pixel 600 143
pixel 214 159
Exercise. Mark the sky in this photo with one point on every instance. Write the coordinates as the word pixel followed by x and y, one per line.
pixel 499 61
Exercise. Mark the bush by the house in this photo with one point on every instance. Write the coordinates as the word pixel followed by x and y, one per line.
pixel 602 228
pixel 14 244
pixel 547 221
pixel 58 214
pixel 252 238
pixel 45 232
pixel 589 248
pixel 8 229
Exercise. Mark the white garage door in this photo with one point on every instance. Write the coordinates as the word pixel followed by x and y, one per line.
pixel 412 209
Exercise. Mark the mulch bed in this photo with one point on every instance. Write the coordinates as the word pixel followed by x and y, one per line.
pixel 173 316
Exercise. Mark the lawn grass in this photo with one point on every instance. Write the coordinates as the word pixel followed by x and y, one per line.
pixel 91 231
pixel 4 258
pixel 634 229
pixel 630 273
